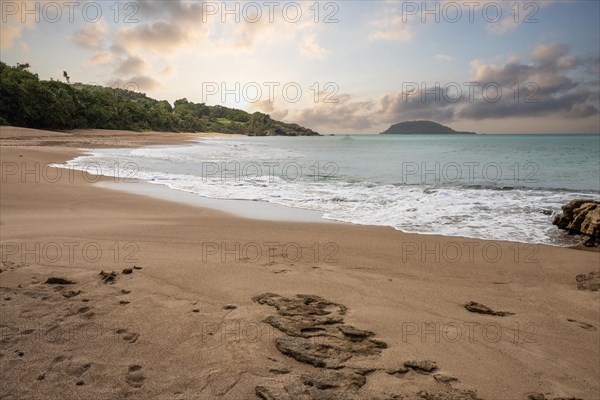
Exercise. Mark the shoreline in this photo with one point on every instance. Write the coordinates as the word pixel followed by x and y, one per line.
pixel 193 258
pixel 260 209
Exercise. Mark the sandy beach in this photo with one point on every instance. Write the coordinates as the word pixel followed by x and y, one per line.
pixel 180 318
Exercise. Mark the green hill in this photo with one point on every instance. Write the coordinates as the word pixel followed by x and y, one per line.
pixel 29 102
pixel 421 128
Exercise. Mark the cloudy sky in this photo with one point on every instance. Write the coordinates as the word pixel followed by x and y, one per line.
pixel 334 66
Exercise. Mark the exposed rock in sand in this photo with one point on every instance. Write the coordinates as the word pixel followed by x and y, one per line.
pixel 264 393
pixel 316 335
pixel 456 395
pixel 335 380
pixel 590 281
pixel 108 277
pixel 316 354
pixel 425 366
pixel 541 396
pixel 444 378
pixel 479 308
pixel 581 217
pixel 71 293
pixel 319 336
pixel 59 281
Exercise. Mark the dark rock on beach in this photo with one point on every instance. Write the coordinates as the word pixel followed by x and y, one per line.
pixel 297 131
pixel 541 396
pixel 59 281
pixel 590 281
pixel 581 217
pixel 108 277
pixel 341 356
pixel 425 366
pixel 479 308
pixel 317 336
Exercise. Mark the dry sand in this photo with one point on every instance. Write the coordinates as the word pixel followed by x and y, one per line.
pixel 164 331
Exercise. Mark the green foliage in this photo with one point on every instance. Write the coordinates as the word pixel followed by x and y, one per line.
pixel 27 101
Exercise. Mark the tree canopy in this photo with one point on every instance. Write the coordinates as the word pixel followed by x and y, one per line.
pixel 27 101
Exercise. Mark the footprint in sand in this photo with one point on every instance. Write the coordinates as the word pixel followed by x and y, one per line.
pixel 135 377
pixel 130 337
pixel 583 325
pixel 11 266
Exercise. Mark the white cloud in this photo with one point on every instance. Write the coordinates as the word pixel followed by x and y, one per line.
pixel 392 28
pixel 101 58
pixel 91 35
pixel 310 47
pixel 11 31
pixel 131 65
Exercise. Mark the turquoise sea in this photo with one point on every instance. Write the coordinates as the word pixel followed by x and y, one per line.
pixel 505 187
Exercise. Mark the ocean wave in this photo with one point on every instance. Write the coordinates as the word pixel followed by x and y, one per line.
pixel 487 211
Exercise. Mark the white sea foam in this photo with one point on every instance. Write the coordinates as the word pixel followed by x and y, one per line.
pixel 479 211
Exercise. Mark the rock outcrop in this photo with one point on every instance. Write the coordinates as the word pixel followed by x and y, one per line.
pixel 590 281
pixel 581 217
pixel 341 358
pixel 296 131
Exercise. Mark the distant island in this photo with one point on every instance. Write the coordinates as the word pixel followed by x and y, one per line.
pixel 422 128
pixel 30 102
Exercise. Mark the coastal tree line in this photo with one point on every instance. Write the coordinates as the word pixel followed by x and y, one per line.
pixel 27 101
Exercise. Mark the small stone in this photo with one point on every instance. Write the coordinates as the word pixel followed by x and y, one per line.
pixel 196 310
pixel 71 293
pixel 264 393
pixel 425 366
pixel 80 382
pixel 59 281
pixel 125 291
pixel 136 267
pixel 334 380
pixel 380 344
pixel 230 307
pixel 108 277
pixel 134 368
pixel 479 308
pixel 356 335
pixel 279 371
pixel 364 371
pixel 41 377
pixel 444 378
pixel 127 271
pixel 123 302
pixel 397 371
